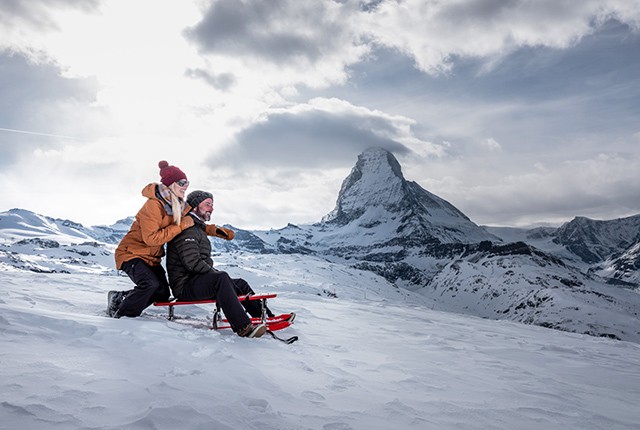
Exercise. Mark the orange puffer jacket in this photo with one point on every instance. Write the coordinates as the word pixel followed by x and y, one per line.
pixel 152 228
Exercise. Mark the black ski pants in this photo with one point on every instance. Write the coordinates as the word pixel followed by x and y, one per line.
pixel 151 286
pixel 219 286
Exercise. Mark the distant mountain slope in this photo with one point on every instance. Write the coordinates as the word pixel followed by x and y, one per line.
pixel 17 224
pixel 608 248
pixel 29 241
pixel 595 241
pixel 521 283
pixel 624 267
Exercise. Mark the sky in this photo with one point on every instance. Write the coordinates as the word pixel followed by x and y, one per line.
pixel 517 112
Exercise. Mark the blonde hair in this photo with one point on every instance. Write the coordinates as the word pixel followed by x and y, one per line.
pixel 176 203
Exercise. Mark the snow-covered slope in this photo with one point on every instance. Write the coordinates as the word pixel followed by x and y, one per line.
pixel 374 358
pixel 595 241
pixel 529 286
pixel 29 241
pixel 49 256
pixel 18 224
pixel 608 248
pixel 624 267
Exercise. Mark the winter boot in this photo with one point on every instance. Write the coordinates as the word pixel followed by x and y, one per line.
pixel 114 298
pixel 253 330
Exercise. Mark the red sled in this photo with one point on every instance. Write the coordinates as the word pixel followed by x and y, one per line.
pixel 273 323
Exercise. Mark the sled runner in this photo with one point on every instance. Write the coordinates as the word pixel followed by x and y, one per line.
pixel 273 323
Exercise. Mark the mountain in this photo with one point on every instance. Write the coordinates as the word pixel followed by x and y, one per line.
pixel 376 193
pixel 596 241
pixel 17 224
pixel 623 268
pixel 417 242
pixel 607 248
pixel 29 241
pixel 384 223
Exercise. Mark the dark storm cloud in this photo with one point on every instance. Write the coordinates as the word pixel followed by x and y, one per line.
pixel 30 93
pixel 278 30
pixel 313 138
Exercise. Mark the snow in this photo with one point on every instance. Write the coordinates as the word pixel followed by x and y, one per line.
pixel 374 357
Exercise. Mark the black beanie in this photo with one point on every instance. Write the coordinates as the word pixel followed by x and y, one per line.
pixel 196 197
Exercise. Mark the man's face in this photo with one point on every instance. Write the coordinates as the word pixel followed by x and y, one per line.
pixel 204 209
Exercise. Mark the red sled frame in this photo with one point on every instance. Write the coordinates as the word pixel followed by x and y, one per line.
pixel 217 313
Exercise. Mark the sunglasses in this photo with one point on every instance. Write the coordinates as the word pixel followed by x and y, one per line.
pixel 182 182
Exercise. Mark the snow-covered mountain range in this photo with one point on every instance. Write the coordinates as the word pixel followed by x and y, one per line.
pixel 581 277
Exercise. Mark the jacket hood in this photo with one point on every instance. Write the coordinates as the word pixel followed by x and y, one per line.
pixel 149 191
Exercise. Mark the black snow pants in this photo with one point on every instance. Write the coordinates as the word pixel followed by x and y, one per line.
pixel 219 286
pixel 151 286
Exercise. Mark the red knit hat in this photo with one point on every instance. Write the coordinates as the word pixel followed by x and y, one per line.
pixel 170 174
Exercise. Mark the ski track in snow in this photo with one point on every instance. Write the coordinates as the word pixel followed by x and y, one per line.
pixel 371 358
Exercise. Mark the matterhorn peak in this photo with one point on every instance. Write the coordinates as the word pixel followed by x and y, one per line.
pixel 375 180
pixel 376 193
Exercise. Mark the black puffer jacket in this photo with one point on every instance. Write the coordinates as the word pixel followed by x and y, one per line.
pixel 188 254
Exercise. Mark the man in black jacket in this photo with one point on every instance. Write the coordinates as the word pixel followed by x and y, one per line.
pixel 193 277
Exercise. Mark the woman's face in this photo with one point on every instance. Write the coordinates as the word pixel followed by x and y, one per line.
pixel 180 187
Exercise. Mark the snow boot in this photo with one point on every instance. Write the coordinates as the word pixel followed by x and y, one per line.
pixel 253 330
pixel 114 298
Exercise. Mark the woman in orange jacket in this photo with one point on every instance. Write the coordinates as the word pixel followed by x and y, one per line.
pixel 139 254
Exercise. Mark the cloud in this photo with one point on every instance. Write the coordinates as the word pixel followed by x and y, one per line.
pixel 37 13
pixel 223 81
pixel 437 33
pixel 287 42
pixel 263 29
pixel 292 44
pixel 554 192
pixel 33 98
pixel 323 133
pixel 490 144
pixel 538 100
pixel 288 92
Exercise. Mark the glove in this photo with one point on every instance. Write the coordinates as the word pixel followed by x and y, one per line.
pixel 186 223
pixel 225 233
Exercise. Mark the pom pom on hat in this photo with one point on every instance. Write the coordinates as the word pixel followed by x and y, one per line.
pixel 196 197
pixel 170 174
